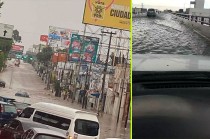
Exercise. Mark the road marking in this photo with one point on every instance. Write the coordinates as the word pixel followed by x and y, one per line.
pixel 201 34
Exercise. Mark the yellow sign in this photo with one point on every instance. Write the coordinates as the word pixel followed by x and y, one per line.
pixel 108 13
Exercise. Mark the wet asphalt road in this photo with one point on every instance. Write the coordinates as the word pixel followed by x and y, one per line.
pixel 25 78
pixel 166 35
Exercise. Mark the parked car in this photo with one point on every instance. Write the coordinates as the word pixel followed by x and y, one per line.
pixel 41 133
pixel 6 99
pixel 22 94
pixel 2 84
pixel 7 112
pixel 16 128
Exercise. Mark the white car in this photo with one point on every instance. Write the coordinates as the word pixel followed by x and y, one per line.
pixel 41 133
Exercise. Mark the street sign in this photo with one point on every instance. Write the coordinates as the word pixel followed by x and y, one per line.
pixel 6 30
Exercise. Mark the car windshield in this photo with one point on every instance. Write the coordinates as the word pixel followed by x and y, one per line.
pixel 151 10
pixel 85 127
pixel 9 108
pixel 45 136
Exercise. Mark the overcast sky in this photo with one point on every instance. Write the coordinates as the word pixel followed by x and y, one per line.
pixel 32 18
pixel 167 4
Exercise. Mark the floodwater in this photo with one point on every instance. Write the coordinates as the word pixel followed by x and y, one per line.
pixel 166 35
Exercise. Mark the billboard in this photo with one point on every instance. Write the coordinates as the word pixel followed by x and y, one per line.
pixel 60 37
pixel 83 48
pixel 6 31
pixel 17 48
pixel 108 13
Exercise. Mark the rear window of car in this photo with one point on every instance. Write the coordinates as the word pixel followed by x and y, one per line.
pixel 86 127
pixel 9 108
pixel 151 10
pixel 44 136
pixel 51 120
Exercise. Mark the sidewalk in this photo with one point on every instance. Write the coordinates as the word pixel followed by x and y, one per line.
pixel 109 126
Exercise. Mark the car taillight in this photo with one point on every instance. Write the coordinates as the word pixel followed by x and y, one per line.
pixel 18 110
pixel 1 108
pixel 75 136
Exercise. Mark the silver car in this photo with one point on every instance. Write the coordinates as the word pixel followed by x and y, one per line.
pixel 41 133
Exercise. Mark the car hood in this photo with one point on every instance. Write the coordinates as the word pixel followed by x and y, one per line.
pixel 167 62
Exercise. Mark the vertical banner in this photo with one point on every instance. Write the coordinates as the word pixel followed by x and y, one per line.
pixel 108 13
pixel 75 48
pixel 86 47
pixel 90 49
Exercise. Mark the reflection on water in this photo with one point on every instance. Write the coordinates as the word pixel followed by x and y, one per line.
pixel 166 35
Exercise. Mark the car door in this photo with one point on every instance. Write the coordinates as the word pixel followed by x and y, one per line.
pixel 9 130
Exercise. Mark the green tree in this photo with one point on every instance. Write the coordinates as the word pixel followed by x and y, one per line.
pixel 1 60
pixel 16 36
pixel 45 56
pixel 1 4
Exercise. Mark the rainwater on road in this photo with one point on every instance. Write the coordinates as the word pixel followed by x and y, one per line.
pixel 25 78
pixel 165 34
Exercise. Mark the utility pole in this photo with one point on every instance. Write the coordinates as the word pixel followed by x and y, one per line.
pixel 105 68
pixel 125 65
pixel 80 63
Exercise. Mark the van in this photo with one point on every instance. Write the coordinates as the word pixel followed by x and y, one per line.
pixel 75 124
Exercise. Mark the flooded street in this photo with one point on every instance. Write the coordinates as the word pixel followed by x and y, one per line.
pixel 25 78
pixel 166 35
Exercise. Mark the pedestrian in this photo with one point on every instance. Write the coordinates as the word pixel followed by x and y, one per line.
pixel 73 93
pixel 81 95
pixel 91 99
pixel 65 94
pixel 84 100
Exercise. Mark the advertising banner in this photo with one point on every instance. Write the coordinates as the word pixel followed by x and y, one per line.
pixel 60 37
pixel 44 38
pixel 90 49
pixel 83 48
pixel 108 13
pixel 59 57
pixel 17 47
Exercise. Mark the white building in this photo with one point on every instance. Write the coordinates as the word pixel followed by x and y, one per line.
pixel 198 9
